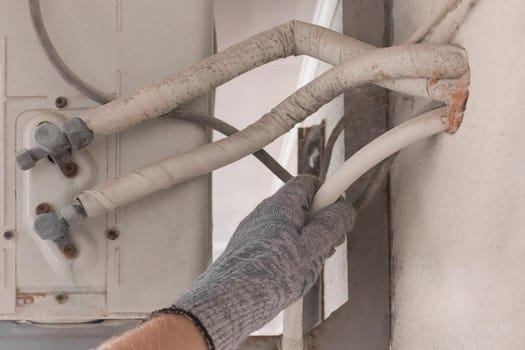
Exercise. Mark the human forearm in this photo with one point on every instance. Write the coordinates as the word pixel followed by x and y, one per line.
pixel 272 259
pixel 163 332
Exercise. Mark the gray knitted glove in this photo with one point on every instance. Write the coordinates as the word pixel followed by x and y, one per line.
pixel 271 261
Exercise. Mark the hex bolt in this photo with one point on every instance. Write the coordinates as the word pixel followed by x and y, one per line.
pixel 69 169
pixel 61 102
pixel 27 158
pixel 78 134
pixel 9 235
pixel 49 137
pixel 61 298
pixel 50 226
pixel 112 234
pixel 70 251
pixel 43 208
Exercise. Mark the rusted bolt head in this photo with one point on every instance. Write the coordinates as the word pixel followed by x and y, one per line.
pixel 61 298
pixel 61 102
pixel 69 169
pixel 43 208
pixel 9 235
pixel 70 251
pixel 112 234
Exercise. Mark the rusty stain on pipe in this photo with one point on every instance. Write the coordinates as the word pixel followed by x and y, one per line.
pixel 458 102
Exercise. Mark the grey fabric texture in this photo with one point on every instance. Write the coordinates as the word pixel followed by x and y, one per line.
pixel 273 258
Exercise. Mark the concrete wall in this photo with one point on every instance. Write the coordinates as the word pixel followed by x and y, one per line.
pixel 458 201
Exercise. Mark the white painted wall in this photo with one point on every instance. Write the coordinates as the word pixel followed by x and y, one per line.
pixel 458 201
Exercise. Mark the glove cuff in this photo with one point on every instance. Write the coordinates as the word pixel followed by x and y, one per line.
pixel 174 310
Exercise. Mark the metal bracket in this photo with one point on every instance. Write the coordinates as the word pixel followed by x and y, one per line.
pixel 311 143
pixel 310 149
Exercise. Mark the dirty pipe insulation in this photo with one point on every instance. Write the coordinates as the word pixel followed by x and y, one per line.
pixel 292 38
pixel 412 61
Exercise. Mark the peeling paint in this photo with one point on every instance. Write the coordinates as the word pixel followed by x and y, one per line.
pixel 457 105
pixel 23 299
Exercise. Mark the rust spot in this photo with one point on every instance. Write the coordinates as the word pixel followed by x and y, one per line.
pixel 43 208
pixel 381 74
pixel 457 105
pixel 70 251
pixel 23 299
pixel 439 72
pixel 69 169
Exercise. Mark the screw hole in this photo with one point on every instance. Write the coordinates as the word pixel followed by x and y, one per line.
pixel 61 298
pixel 61 102
pixel 112 234
pixel 9 235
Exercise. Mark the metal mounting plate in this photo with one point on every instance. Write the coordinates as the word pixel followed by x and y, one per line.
pixel 164 240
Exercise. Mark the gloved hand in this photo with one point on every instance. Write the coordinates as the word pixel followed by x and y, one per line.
pixel 271 261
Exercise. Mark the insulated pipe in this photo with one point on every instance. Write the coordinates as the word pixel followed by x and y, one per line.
pixel 101 97
pixel 292 38
pixel 450 24
pixel 428 61
pixel 433 21
pixel 226 129
pixel 384 146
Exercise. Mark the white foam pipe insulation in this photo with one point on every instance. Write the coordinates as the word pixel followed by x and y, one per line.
pixel 439 15
pixel 292 38
pixel 391 142
pixel 406 61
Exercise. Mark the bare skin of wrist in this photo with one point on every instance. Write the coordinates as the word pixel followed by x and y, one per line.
pixel 171 332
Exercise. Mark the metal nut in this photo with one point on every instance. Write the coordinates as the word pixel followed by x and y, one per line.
pixel 51 138
pixel 50 227
pixel 78 133
pixel 25 160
